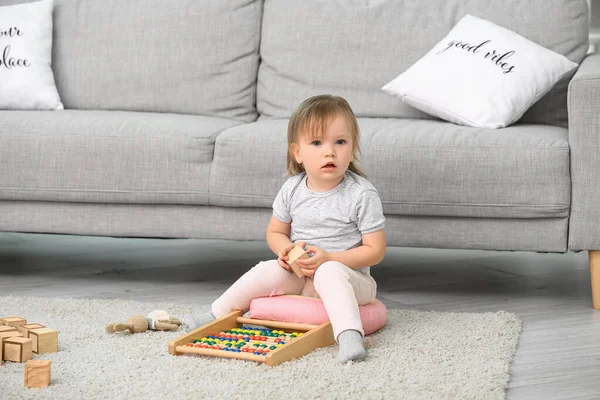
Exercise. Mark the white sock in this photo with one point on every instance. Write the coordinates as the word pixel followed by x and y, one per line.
pixel 191 322
pixel 351 346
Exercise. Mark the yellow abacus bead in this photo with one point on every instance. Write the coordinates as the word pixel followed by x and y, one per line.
pixel 300 334
pixel 217 340
pixel 203 339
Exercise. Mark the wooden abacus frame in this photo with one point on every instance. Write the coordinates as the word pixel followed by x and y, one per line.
pixel 314 336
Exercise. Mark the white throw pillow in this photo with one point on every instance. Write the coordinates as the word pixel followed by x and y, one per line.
pixel 26 79
pixel 480 75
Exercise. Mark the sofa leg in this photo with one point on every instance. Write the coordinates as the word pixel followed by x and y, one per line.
pixel 595 277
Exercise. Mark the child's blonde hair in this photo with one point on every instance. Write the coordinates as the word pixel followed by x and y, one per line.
pixel 312 117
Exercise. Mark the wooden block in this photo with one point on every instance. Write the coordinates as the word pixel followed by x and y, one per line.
pixel 44 340
pixel 37 373
pixel 13 321
pixel 7 328
pixel 293 255
pixel 17 349
pixel 24 329
pixel 9 331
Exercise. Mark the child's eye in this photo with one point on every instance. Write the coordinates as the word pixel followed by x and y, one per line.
pixel 341 141
pixel 316 143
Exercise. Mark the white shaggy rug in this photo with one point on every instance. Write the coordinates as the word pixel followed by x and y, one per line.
pixel 418 355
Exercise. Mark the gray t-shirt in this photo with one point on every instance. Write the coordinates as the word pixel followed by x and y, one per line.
pixel 334 220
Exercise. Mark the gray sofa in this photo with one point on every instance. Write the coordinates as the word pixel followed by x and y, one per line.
pixel 176 114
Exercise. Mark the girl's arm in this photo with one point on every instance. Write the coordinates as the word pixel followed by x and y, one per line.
pixel 278 235
pixel 370 253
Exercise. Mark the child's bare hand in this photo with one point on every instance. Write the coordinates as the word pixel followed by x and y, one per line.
pixel 309 266
pixel 282 257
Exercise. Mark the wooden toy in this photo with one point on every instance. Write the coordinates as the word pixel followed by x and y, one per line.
pixel 230 338
pixel 44 340
pixel 293 255
pixel 13 321
pixel 24 329
pixel 17 349
pixel 9 331
pixel 37 373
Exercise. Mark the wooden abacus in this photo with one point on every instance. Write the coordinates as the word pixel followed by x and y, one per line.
pixel 310 337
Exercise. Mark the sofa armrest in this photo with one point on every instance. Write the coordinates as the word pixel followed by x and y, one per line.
pixel 584 141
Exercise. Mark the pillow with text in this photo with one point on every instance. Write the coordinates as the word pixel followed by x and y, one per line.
pixel 26 78
pixel 481 75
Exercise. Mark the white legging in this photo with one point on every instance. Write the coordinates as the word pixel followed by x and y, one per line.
pixel 341 288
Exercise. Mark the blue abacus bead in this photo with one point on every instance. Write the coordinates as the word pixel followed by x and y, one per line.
pixel 257 353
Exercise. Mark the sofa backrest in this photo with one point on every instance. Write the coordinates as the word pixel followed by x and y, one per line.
pixel 354 47
pixel 190 57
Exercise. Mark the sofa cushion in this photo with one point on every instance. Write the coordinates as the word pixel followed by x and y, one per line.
pixel 353 48
pixel 191 57
pixel 106 156
pixel 419 167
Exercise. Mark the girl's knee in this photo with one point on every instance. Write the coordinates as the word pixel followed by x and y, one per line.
pixel 267 266
pixel 331 270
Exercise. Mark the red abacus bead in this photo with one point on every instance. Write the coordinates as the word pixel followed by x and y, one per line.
pixel 190 345
pixel 277 340
pixel 266 351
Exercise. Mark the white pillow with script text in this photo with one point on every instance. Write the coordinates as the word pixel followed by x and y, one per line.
pixel 480 74
pixel 26 79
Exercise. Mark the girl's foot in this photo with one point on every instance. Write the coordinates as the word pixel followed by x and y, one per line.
pixel 351 346
pixel 191 322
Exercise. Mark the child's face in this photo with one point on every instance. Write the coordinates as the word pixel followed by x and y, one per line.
pixel 316 155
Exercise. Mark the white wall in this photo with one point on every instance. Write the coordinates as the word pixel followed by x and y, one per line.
pixel 594 24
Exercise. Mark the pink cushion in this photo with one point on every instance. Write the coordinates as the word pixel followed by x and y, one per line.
pixel 308 310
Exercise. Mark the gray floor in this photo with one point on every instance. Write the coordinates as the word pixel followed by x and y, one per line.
pixel 558 355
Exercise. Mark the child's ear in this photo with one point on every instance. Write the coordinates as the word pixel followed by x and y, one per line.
pixel 295 149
